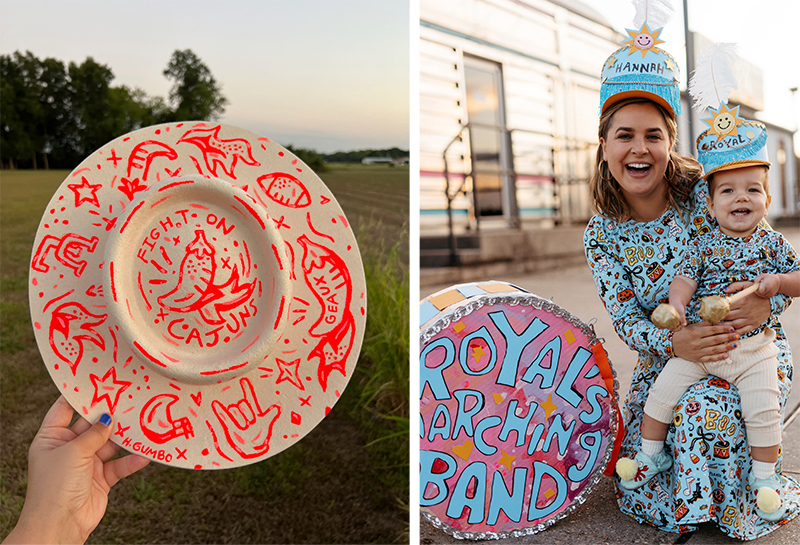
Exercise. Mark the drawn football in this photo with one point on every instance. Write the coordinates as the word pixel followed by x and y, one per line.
pixel 285 189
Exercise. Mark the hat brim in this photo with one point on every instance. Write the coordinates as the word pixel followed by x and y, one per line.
pixel 737 164
pixel 622 95
pixel 201 284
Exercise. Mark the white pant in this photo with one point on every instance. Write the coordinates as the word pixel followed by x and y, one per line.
pixel 752 367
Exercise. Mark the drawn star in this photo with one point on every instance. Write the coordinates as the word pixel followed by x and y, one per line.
pixel 85 192
pixel 108 384
pixel 120 430
pixel 548 406
pixel 289 373
pixel 724 121
pixel 506 460
pixel 478 353
pixel 643 39
pixel 612 60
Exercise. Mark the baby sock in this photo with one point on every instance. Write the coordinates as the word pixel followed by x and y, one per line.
pixel 651 448
pixel 763 470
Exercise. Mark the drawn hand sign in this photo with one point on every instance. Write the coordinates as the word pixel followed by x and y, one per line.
pixel 248 428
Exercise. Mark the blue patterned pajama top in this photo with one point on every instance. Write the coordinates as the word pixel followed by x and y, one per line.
pixel 633 264
pixel 715 261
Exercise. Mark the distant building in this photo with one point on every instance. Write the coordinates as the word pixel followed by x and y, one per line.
pixel 375 160
pixel 400 162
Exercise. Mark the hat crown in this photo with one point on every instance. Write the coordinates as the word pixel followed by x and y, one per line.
pixel 641 69
pixel 731 141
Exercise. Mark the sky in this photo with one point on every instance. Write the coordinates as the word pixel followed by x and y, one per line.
pixel 766 32
pixel 330 75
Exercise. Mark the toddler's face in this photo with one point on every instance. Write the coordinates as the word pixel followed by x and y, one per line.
pixel 739 201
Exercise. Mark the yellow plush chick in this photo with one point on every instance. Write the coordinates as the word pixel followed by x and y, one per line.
pixel 627 469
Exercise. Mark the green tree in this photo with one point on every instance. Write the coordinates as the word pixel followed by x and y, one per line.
pixel 195 93
pixel 90 99
pixel 20 110
pixel 57 124
pixel 309 157
pixel 54 116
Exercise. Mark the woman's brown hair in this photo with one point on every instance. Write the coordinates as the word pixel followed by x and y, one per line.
pixel 607 197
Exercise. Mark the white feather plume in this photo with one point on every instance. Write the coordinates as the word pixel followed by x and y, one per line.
pixel 656 13
pixel 713 79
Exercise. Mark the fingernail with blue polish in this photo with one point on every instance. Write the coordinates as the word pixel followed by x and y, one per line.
pixel 105 419
pixel 735 345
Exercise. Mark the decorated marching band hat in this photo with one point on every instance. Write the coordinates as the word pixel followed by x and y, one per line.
pixel 730 140
pixel 639 68
pixel 201 284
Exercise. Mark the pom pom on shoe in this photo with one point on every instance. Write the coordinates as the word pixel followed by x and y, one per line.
pixel 767 499
pixel 627 468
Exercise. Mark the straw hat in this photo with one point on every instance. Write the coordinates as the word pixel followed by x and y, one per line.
pixel 201 284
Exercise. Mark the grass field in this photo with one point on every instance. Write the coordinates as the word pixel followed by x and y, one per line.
pixel 346 482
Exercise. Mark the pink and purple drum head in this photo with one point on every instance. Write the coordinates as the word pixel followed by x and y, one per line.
pixel 518 417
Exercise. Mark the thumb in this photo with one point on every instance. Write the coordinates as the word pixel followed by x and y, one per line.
pixel 92 440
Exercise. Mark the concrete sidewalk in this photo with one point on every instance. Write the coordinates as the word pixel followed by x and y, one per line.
pixel 599 520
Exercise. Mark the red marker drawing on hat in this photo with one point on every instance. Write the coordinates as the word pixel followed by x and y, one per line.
pixel 218 152
pixel 66 250
pixel 248 428
pixel 70 326
pixel 329 281
pixel 196 288
pixel 216 298
pixel 195 277
pixel 145 152
pixel 157 422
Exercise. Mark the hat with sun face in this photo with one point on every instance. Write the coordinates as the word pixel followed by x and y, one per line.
pixel 730 140
pixel 201 284
pixel 641 70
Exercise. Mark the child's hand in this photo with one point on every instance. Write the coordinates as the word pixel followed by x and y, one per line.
pixel 770 285
pixel 675 302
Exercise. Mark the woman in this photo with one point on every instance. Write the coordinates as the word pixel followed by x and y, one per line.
pixel 650 203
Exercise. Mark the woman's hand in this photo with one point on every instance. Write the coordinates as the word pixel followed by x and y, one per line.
pixel 747 313
pixel 69 477
pixel 703 342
